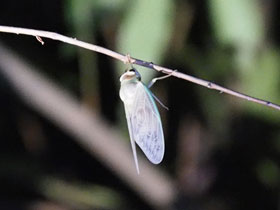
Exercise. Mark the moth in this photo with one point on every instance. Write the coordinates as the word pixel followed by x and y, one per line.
pixel 143 119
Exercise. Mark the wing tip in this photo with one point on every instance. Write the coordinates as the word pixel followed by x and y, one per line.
pixel 137 169
pixel 156 161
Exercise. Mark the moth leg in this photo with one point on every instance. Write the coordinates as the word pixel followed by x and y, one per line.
pixel 159 101
pixel 159 78
pixel 128 61
pixel 153 82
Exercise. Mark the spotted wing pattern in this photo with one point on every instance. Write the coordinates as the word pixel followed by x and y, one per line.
pixel 145 125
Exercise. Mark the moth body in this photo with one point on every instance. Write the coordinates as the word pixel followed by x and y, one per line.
pixel 143 119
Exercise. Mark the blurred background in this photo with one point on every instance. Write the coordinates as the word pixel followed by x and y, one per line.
pixel 221 152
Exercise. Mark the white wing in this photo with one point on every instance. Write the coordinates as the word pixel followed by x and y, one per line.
pixel 145 125
pixel 129 125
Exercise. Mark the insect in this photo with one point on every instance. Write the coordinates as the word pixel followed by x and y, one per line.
pixel 143 119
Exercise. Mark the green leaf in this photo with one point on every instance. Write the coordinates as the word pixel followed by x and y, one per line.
pixel 146 30
pixel 268 173
pixel 237 22
pixel 262 81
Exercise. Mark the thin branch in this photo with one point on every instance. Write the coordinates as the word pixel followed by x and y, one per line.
pixel 126 59
pixel 62 38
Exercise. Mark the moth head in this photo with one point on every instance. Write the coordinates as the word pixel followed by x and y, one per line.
pixel 131 74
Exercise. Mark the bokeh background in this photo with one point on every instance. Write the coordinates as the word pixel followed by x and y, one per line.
pixel 221 152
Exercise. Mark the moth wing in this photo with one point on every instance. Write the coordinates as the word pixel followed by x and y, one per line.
pixel 132 141
pixel 146 127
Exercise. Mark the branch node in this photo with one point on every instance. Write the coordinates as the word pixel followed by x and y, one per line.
pixel 127 59
pixel 39 39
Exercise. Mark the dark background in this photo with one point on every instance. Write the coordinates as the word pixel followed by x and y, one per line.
pixel 221 152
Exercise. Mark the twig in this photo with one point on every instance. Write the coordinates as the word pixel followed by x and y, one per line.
pixel 40 40
pixel 126 59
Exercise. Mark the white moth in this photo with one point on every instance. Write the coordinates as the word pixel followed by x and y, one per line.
pixel 143 119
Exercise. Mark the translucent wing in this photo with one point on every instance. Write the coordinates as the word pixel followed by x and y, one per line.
pixel 145 125
pixel 129 123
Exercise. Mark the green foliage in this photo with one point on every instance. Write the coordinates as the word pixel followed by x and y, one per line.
pixel 237 22
pixel 146 30
pixel 262 80
pixel 79 195
pixel 240 25
pixel 229 135
pixel 268 173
